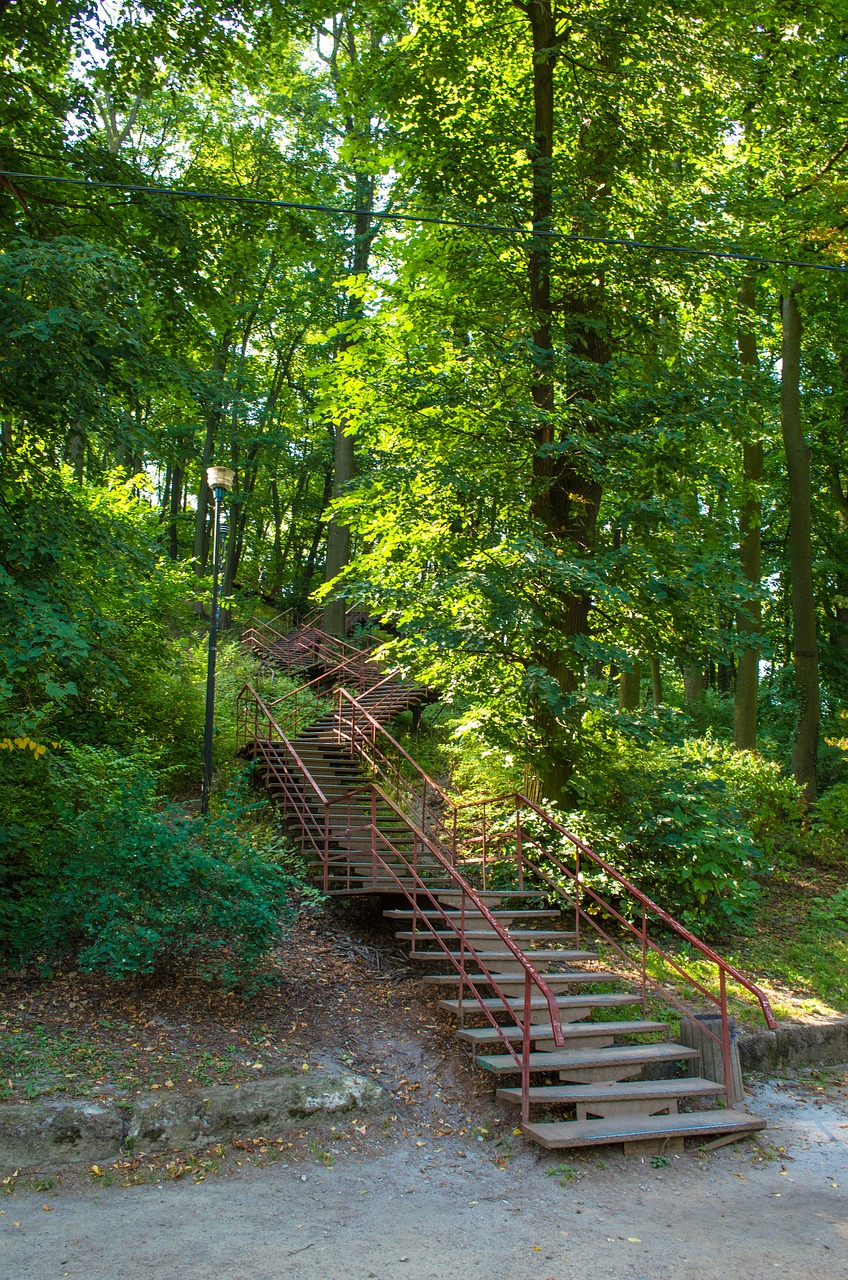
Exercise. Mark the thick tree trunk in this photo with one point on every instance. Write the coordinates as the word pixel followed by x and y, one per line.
pixel 344 462
pixel 804 639
pixel 629 687
pixel 656 680
pixel 566 500
pixel 749 615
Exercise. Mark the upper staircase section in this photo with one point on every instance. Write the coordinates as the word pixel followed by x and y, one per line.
pixel 570 1015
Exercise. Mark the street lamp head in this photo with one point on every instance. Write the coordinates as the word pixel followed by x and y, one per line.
pixel 220 477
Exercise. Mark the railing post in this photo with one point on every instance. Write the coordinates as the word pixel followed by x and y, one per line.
pixel 644 961
pixel 519 846
pixel 455 858
pixel 484 849
pixel 373 835
pixel 460 1014
pixel 525 1052
pixel 577 898
pixel 415 893
pixel 326 846
pixel 725 1038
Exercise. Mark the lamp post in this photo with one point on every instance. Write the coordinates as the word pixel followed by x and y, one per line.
pixel 220 480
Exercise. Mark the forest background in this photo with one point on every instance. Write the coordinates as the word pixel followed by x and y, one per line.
pixel 594 491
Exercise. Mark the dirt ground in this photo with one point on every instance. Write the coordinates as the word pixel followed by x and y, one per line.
pixel 441 1207
pixel 440 1187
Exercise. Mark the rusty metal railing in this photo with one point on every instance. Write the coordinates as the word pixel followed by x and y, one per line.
pixel 510 835
pixel 444 818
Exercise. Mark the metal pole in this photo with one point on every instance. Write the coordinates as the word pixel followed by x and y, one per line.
pixel 209 728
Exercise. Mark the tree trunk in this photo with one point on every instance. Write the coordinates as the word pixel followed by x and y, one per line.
pixel 277 572
pixel 338 533
pixel 693 686
pixel 305 584
pixel 344 463
pixel 804 639
pixel 629 687
pixel 656 680
pixel 749 615
pixel 175 507
pixel 839 616
pixel 566 500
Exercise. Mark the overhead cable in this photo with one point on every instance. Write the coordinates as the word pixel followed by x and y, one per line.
pixel 493 228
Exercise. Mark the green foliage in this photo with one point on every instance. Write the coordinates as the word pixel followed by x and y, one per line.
pixel 831 817
pixel 692 824
pixel 130 885
pixel 831 914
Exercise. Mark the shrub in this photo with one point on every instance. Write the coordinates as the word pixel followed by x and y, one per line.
pixel 130 886
pixel 677 820
pixel 832 813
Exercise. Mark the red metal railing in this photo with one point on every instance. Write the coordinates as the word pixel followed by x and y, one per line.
pixel 527 855
pixel 298 646
pixel 443 818
pixel 342 833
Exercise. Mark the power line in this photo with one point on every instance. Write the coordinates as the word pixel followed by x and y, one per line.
pixel 728 255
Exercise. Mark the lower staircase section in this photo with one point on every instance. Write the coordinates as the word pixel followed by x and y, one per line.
pixel 578 1037
pixel 617 1077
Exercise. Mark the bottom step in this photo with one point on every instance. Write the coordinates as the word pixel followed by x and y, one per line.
pixel 589 1133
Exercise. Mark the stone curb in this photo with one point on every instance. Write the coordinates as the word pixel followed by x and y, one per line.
pixel 805 1044
pixel 64 1132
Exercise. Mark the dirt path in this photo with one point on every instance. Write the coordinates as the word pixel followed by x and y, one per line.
pixel 419 1208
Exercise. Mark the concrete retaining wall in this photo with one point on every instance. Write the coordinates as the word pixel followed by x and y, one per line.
pixel 807 1044
pixel 63 1132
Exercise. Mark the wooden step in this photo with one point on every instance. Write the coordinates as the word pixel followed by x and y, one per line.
pixel 557 1095
pixel 570 1030
pixel 515 982
pixel 491 895
pixel 571 1059
pixel 598 1000
pixel 472 914
pixel 517 936
pixel 488 957
pixel 559 1134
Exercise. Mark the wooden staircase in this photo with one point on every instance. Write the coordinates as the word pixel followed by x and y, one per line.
pixel 494 901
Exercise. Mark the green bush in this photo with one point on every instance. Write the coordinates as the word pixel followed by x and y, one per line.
pixel 128 886
pixel 687 823
pixel 831 816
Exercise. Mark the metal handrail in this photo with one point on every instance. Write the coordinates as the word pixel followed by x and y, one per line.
pixel 519 801
pixel 248 689
pixel 367 738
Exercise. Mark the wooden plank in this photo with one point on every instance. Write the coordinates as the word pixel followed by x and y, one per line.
pixel 555 1135
pixel 560 1094
pixel 512 981
pixel 570 1059
pixel 570 1030
pixel 598 1000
